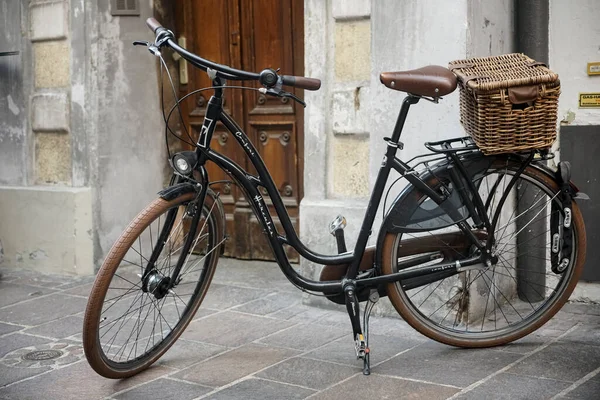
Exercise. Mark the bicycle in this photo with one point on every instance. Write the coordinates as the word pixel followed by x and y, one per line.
pixel 450 253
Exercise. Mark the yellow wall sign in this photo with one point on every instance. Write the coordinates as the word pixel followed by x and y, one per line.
pixel 589 100
pixel 593 68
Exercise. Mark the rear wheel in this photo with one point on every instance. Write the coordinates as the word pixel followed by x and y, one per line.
pixel 129 321
pixel 494 305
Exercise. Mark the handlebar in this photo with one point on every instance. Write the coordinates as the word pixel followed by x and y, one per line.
pixel 153 24
pixel 268 77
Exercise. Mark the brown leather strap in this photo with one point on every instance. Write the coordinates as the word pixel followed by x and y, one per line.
pixel 536 63
pixel 523 94
pixel 469 78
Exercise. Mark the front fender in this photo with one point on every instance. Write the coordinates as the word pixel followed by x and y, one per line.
pixel 171 192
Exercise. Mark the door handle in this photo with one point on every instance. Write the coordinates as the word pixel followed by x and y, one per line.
pixel 183 66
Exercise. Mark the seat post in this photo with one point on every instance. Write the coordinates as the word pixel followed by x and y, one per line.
pixel 408 101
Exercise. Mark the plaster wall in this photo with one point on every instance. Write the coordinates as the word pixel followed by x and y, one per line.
pixel 574 41
pixel 355 111
pixel 129 144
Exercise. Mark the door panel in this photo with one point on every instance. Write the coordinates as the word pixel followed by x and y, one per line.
pixel 250 35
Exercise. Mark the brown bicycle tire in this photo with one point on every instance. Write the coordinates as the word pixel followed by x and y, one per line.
pixel 91 343
pixel 406 311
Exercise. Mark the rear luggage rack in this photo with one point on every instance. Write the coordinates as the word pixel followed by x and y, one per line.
pixel 452 145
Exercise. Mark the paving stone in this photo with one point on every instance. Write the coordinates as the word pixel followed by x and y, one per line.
pixel 34 278
pixel 394 327
pixel 10 375
pixel 270 304
pixel 185 353
pixel 80 290
pixel 306 336
pixel 171 311
pixel 8 275
pixel 437 363
pixel 342 350
pixel 7 328
pixel 513 387
pixel 588 334
pixel 561 361
pixel 70 353
pixel 59 329
pixel 309 373
pixel 582 308
pixel 527 344
pixel 203 312
pixel 252 274
pixel 233 365
pixel 77 381
pixel 587 390
pixel 77 281
pixel 263 290
pixel 335 317
pixel 165 389
pixel 260 389
pixel 220 297
pixel 301 313
pixel 17 340
pixel 11 293
pixel 39 311
pixel 383 387
pixel 557 326
pixel 232 329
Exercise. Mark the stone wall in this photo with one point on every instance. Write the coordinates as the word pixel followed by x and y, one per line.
pixel 82 149
pixel 46 213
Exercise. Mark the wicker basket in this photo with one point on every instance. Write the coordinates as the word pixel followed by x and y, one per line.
pixel 508 103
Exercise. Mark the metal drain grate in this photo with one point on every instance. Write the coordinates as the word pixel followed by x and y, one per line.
pixel 40 355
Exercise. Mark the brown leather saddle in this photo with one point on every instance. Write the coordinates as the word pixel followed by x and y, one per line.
pixel 431 81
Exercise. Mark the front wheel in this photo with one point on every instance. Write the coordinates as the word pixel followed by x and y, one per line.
pixel 129 321
pixel 492 305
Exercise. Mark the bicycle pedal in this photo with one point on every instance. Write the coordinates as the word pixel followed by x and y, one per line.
pixel 338 223
pixel 361 347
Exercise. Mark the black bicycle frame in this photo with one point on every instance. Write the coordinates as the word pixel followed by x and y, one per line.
pixel 250 184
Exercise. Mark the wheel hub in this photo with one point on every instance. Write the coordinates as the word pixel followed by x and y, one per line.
pixel 157 284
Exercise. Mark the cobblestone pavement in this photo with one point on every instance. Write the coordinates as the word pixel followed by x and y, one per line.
pixel 253 339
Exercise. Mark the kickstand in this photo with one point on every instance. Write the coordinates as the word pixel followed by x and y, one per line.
pixel 373 298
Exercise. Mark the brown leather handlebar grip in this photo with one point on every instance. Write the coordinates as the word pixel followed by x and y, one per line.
pixel 153 24
pixel 301 82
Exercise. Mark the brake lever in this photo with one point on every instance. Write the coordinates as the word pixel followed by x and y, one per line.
pixel 152 48
pixel 281 93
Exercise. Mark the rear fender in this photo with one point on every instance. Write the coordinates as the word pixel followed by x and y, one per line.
pixel 407 203
pixel 409 199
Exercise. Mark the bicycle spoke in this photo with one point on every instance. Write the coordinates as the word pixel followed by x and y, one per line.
pixel 515 280
pixel 133 322
pixel 490 299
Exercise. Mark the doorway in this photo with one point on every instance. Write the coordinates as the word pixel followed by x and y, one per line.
pixel 249 35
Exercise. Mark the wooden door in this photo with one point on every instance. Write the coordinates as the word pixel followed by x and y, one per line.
pixel 250 35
